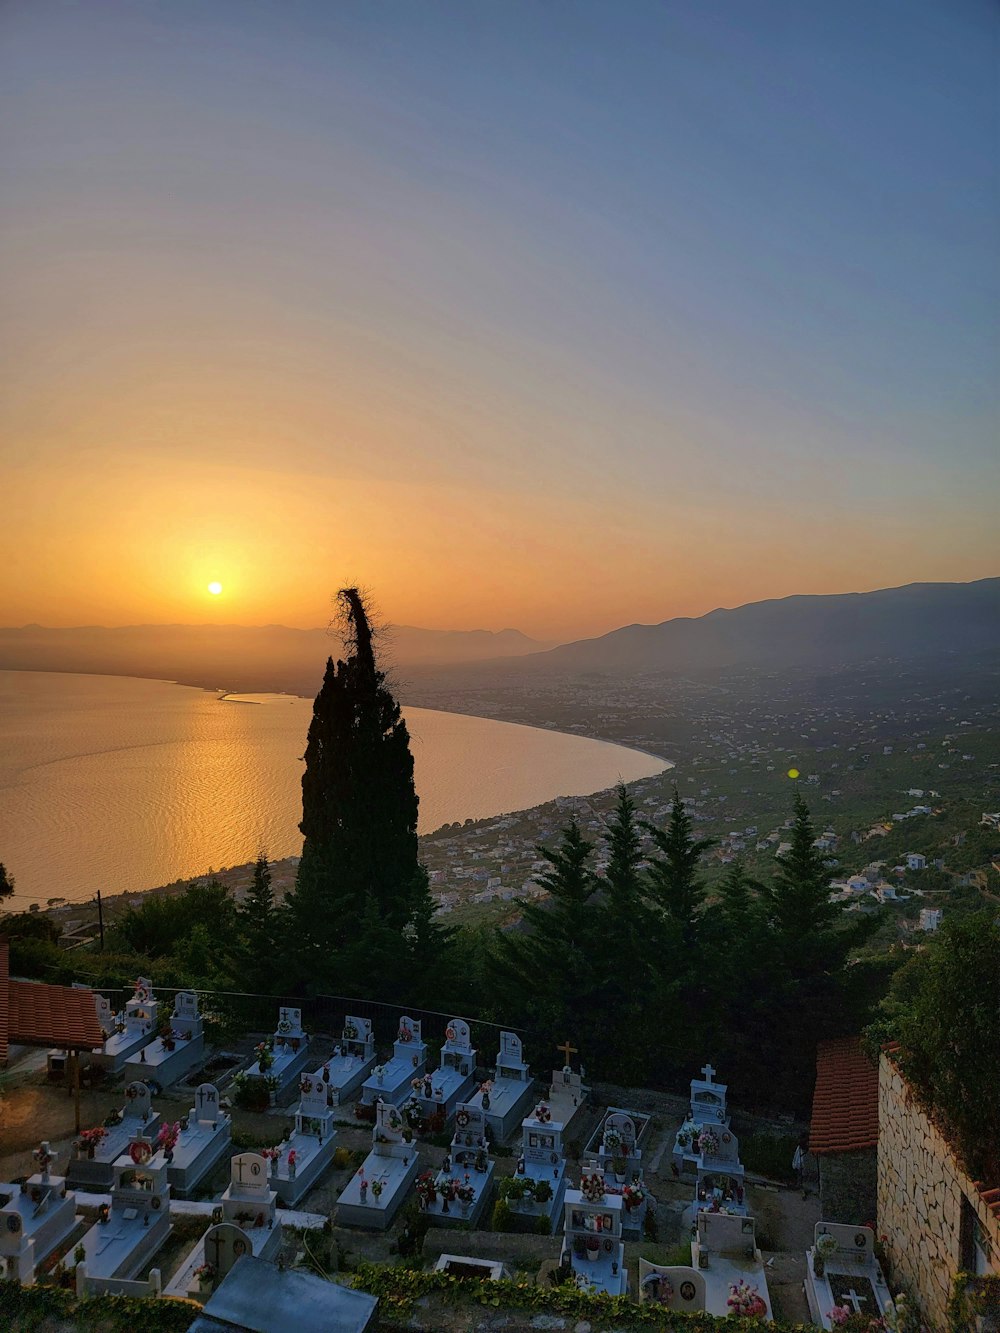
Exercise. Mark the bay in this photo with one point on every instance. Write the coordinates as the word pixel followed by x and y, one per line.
pixel 120 784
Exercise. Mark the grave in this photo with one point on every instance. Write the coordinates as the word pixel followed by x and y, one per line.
pixel 725 1266
pixel 35 1218
pixel 707 1107
pixel 464 1184
pixel 136 1030
pixel 179 1047
pixel 257 1296
pixel 508 1096
pixel 379 1188
pixel 138 1220
pixel 390 1082
pixel 592 1237
pixel 567 1093
pixel 719 1185
pixel 615 1150
pixel 306 1155
pixel 541 1159
pixel 94 1170
pixel 352 1061
pixel 287 1055
pixel 203 1141
pixel 850 1276
pixel 453 1081
pixel 245 1223
pixel 460 1265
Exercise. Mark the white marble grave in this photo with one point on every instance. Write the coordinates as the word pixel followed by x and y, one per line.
pixel 724 1255
pixel 35 1218
pixel 307 1154
pixel 136 1029
pixel 509 1095
pixel 379 1188
pixel 707 1107
pixel 542 1157
pixel 592 1238
pixel 289 1052
pixel 352 1061
pixel 137 1118
pixel 454 1079
pixel 204 1140
pixel 850 1276
pixel 467 1169
pixel 615 1149
pixel 138 1222
pixel 390 1082
pixel 171 1055
pixel 567 1092
pixel 719 1186
pixel 247 1223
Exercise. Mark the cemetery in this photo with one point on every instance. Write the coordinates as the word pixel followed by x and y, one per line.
pixel 202 1141
pixel 131 1032
pixel 392 1082
pixel 247 1224
pixel 507 1096
pixel 99 1148
pixel 36 1217
pixel 129 1232
pixel 460 1191
pixel 179 1047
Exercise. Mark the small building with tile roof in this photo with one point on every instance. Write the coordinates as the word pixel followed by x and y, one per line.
pixel 843 1131
pixel 33 1013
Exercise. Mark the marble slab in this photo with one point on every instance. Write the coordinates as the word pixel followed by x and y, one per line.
pixel 312 1160
pixel 97 1172
pixel 347 1073
pixel 121 1247
pixel 287 1066
pixel 510 1101
pixel 167 1066
pixel 397 1175
pixel 199 1148
pixel 266 1243
pixel 40 1229
pixel 395 1086
pixel 482 1182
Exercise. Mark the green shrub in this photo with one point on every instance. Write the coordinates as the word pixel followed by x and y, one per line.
pixel 770 1155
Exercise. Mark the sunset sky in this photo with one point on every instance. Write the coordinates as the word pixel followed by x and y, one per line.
pixel 556 315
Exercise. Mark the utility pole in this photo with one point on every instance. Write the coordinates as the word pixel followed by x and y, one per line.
pixel 100 919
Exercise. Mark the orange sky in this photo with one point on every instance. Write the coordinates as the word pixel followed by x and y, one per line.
pixel 290 306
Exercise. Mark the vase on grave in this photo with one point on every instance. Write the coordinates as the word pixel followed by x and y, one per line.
pixel 593 1249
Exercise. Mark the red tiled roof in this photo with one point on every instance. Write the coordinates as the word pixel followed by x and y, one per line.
pixel 37 1014
pixel 845 1103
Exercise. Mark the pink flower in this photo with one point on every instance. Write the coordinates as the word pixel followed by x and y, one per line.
pixel 839 1314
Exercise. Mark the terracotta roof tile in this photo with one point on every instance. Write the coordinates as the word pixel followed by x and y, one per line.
pixel 37 1014
pixel 845 1103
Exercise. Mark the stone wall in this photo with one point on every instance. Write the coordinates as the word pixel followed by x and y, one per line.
pixel 847 1187
pixel 920 1192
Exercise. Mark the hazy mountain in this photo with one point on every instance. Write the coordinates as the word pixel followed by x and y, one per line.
pixel 919 620
pixel 236 656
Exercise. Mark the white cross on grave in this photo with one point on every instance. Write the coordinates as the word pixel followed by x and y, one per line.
pixel 856 1300
pixel 708 1071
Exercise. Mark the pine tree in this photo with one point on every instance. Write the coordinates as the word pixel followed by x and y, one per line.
pixel 6 882
pixel 672 881
pixel 359 881
pixel 255 947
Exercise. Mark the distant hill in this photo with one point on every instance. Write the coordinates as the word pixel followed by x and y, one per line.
pixel 919 620
pixel 235 657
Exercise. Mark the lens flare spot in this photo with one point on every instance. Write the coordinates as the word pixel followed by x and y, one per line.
pixel 793 772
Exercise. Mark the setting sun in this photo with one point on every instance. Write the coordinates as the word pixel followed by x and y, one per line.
pixel 215 589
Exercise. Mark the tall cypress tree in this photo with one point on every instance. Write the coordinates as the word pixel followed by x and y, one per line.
pixel 253 951
pixel 359 881
pixel 672 878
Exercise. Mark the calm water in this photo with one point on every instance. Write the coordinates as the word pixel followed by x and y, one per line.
pixel 121 784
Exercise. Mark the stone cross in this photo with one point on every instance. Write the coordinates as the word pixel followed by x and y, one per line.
pixel 43 1156
pixel 708 1071
pixel 856 1300
pixel 567 1051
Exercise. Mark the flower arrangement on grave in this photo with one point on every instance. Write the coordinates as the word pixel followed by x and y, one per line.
pixel 271 1156
pixel 104 1213
pixel 305 1084
pixel 114 1117
pixel 426 1188
pixel 839 1314
pixel 167 1138
pixel 379 1072
pixel 542 1113
pixel 350 1031
pixel 708 1142
pixel 166 1035
pixel 745 1300
pixel 592 1186
pixel 633 1195
pixel 377 1188
pixel 413 1113
pixel 293 1158
pixel 482 1160
pixel 265 1058
pixel 284 1026
pixel 824 1250
pixel 542 1191
pixel 613 1141
pixel 464 1193
pixel 405 1032
pixel 205 1273
pixel 90 1140
pixel 131 1092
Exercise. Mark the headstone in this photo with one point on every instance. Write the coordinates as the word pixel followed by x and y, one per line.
pixel 313 1095
pixel 105 1014
pixel 138 1101
pixel 248 1177
pixel 206 1103
pixel 186 1004
pixel 388 1123
pixel 289 1022
pixel 409 1031
pixel 624 1126
pixel 675 1288
pixel 224 1244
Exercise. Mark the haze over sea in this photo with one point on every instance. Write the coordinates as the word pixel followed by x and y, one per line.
pixel 121 784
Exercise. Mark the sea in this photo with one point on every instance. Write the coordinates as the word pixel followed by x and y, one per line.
pixel 119 784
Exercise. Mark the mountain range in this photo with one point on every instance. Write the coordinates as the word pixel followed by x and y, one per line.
pixel 920 620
